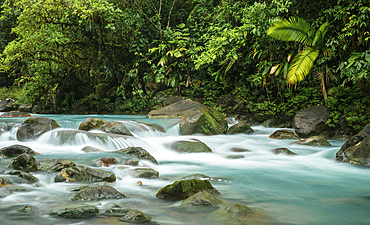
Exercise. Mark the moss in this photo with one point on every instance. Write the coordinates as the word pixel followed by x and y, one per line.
pixel 211 122
pixel 30 120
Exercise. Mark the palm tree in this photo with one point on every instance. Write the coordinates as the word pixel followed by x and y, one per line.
pixel 298 30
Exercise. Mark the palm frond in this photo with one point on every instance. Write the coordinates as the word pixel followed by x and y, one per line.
pixel 318 41
pixel 292 29
pixel 301 65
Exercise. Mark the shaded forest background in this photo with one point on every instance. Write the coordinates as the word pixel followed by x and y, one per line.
pixel 108 56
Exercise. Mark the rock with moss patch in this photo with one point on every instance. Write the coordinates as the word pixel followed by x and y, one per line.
pixel 314 141
pixel 54 165
pixel 191 146
pixel 183 189
pixel 202 198
pixel 284 134
pixel 135 216
pixel 197 176
pixel 24 162
pixel 28 178
pixel 115 128
pixel 92 123
pixel 84 174
pixel 140 153
pixel 97 193
pixel 195 117
pixel 83 211
pixel 283 151
pixel 240 128
pixel 15 150
pixel 147 173
pixel 35 126
pixel 237 210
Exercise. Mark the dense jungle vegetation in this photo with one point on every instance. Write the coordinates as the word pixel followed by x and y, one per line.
pixel 126 56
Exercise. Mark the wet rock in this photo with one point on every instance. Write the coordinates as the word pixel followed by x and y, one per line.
pixel 311 121
pixel 76 212
pixel 313 141
pixel 54 165
pixel 132 162
pixel 190 146
pixel 196 118
pixel 34 126
pixel 115 128
pixel 197 176
pixel 284 134
pixel 147 173
pixel 283 151
pixel 153 126
pixel 28 178
pixel 135 216
pixel 140 153
pixel 84 174
pixel 4 181
pixel 6 105
pixel 356 150
pixel 239 150
pixel 237 210
pixel 183 189
pixel 92 123
pixel 235 156
pixel 240 128
pixel 89 149
pixel 97 193
pixel 105 162
pixel 15 114
pixel 24 212
pixel 15 150
pixel 202 198
pixel 24 162
pixel 5 192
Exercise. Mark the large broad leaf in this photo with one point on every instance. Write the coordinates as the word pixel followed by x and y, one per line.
pixel 292 29
pixel 318 41
pixel 301 65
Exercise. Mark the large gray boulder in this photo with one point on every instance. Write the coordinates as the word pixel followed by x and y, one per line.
pixel 97 193
pixel 35 126
pixel 15 150
pixel 82 211
pixel 84 174
pixel 139 152
pixel 6 105
pixel 195 117
pixel 356 150
pixel 24 162
pixel 202 198
pixel 311 121
pixel 191 146
pixel 54 165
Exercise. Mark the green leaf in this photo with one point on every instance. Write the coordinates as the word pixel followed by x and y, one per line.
pixel 301 65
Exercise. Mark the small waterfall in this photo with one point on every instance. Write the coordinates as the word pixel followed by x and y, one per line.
pixel 9 135
pixel 231 121
pixel 141 130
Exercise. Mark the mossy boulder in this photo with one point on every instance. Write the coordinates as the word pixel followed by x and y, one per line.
pixel 147 173
pixel 356 150
pixel 28 178
pixel 202 198
pixel 190 146
pixel 92 123
pixel 195 117
pixel 54 165
pixel 135 216
pixel 183 189
pixel 284 134
pixel 139 152
pixel 34 127
pixel 24 162
pixel 15 150
pixel 237 210
pixel 283 151
pixel 83 211
pixel 314 141
pixel 97 193
pixel 84 174
pixel 115 128
pixel 240 128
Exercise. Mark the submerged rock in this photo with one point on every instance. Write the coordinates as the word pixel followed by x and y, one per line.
pixel 147 173
pixel 237 210
pixel 28 178
pixel 283 151
pixel 115 128
pixel 84 174
pixel 15 150
pixel 235 156
pixel 240 128
pixel 34 126
pixel 24 162
pixel 135 216
pixel 140 153
pixel 284 134
pixel 202 198
pixel 356 150
pixel 314 141
pixel 197 176
pixel 82 211
pixel 97 193
pixel 196 118
pixel 92 123
pixel 190 146
pixel 183 189
pixel 105 162
pixel 54 165
pixel 89 149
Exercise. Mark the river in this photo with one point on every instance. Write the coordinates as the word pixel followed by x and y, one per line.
pixel 309 188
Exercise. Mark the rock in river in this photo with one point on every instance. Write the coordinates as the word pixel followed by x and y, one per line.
pixel 140 153
pixel 84 174
pixel 191 146
pixel 24 162
pixel 82 211
pixel 15 150
pixel 34 126
pixel 97 193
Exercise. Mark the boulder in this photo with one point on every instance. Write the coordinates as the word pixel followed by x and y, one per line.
pixel 132 162
pixel 15 150
pixel 313 141
pixel 283 151
pixel 183 189
pixel 195 117
pixel 54 165
pixel 84 174
pixel 97 193
pixel 139 152
pixel 147 173
pixel 6 105
pixel 89 149
pixel 105 162
pixel 240 128
pixel 356 150
pixel 190 146
pixel 115 128
pixel 311 121
pixel 202 198
pixel 239 150
pixel 82 211
pixel 28 178
pixel 24 162
pixel 135 216
pixel 284 134
pixel 92 123
pixel 25 108
pixel 197 176
pixel 237 210
pixel 15 114
pixel 34 126
pixel 172 99
pixel 235 156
